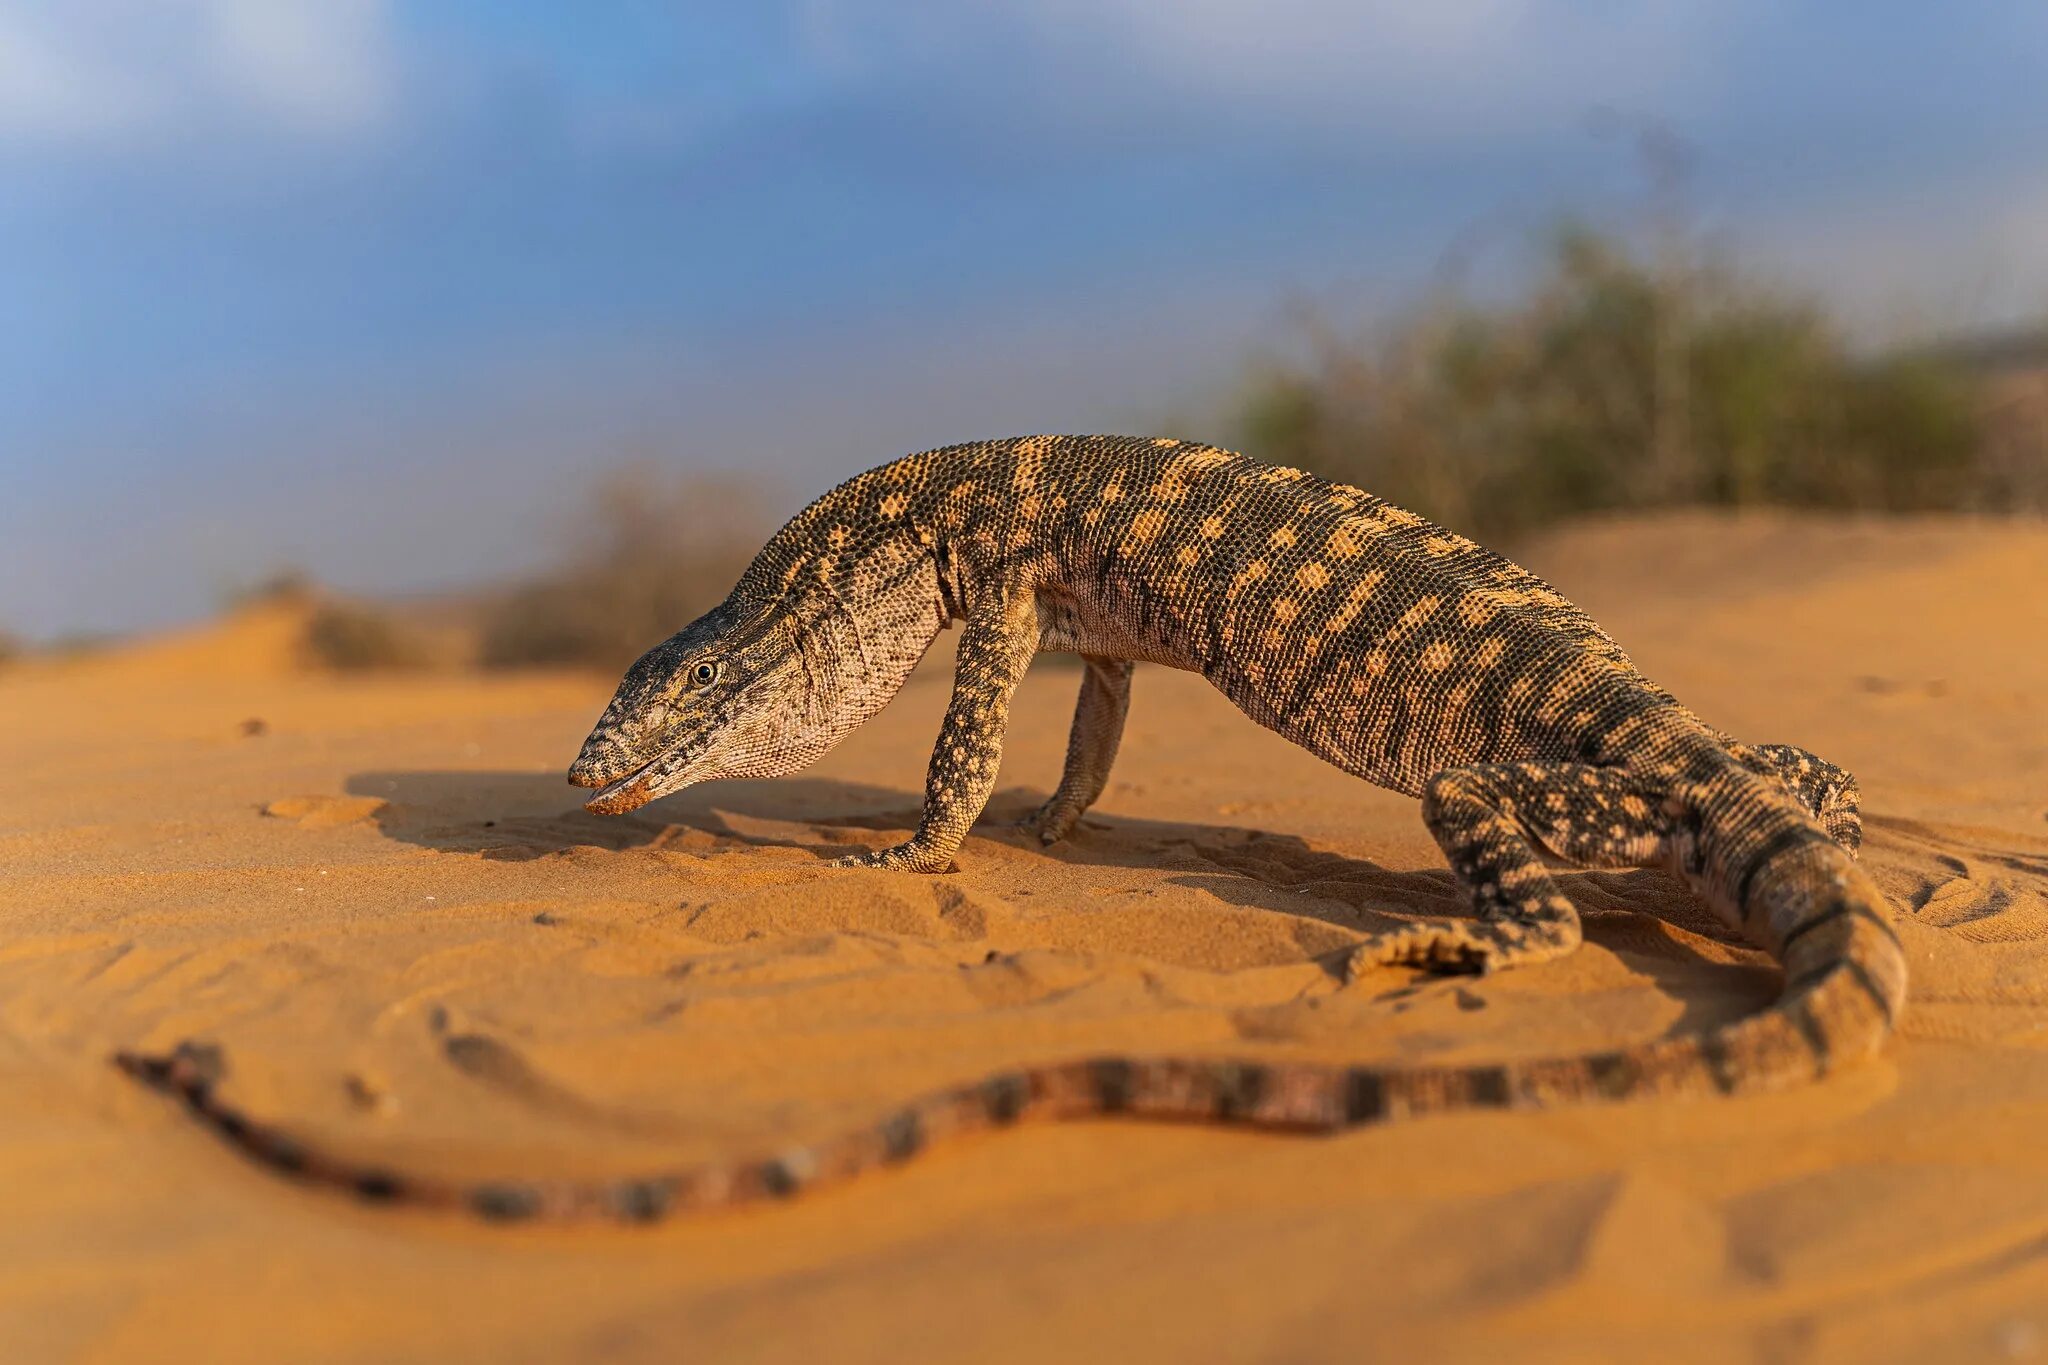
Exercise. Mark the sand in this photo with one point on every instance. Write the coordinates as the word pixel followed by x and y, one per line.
pixel 389 910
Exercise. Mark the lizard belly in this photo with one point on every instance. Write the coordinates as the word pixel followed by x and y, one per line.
pixel 1071 624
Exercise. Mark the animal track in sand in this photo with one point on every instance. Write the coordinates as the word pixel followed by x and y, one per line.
pixel 1973 882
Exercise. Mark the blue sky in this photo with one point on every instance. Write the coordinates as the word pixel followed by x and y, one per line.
pixel 375 287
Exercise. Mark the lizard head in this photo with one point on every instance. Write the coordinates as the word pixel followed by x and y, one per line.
pixel 727 696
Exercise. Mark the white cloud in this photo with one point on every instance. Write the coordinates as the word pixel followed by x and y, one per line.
pixel 93 70
pixel 326 63
pixel 49 89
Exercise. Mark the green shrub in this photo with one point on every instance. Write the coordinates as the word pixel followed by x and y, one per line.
pixel 1611 386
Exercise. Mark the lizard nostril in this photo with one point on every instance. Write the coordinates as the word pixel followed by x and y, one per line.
pixel 585 771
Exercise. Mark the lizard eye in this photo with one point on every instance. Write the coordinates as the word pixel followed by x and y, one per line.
pixel 706 673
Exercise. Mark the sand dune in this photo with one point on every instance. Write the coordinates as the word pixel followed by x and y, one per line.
pixel 389 911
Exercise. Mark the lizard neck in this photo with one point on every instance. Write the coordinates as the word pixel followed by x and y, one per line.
pixel 859 617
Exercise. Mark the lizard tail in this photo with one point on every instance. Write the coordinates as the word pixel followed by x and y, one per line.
pixel 1762 859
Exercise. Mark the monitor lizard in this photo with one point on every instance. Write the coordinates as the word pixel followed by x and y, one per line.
pixel 1368 635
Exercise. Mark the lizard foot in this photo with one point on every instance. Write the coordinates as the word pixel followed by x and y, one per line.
pixel 1453 947
pixel 1449 949
pixel 905 857
pixel 1051 822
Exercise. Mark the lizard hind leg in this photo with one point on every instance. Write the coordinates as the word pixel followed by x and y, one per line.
pixel 1829 792
pixel 1494 822
pixel 1091 748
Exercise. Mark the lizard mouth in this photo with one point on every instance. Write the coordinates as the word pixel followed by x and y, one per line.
pixel 630 792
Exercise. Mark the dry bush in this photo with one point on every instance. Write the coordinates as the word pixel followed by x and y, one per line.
pixel 1615 385
pixel 353 638
pixel 288 586
pixel 653 553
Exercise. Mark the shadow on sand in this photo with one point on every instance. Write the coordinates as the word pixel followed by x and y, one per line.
pixel 516 816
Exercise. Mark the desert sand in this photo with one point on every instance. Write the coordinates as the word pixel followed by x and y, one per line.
pixel 389 910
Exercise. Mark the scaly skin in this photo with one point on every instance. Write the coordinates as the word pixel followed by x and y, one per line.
pixel 1369 636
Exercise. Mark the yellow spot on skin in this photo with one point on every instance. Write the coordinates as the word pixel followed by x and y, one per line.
pixel 1286 609
pixel 1635 806
pixel 1147 525
pixel 837 537
pixel 1376 662
pixel 1343 543
pixel 1186 555
pixel 1437 657
pixel 1476 609
pixel 1029 507
pixel 893 505
pixel 1273 638
pixel 1111 492
pixel 1284 536
pixel 1489 653
pixel 1212 528
pixel 1423 609
pixel 1354 603
pixel 1311 576
pixel 1398 516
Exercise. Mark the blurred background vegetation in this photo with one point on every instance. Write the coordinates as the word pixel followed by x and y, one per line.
pixel 652 551
pixel 1616 383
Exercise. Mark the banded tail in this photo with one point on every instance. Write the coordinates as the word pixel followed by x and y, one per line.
pixel 1762 856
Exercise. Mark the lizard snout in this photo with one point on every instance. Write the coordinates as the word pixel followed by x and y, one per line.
pixel 599 762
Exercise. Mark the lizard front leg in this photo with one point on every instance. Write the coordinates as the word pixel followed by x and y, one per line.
pixel 996 646
pixel 1091 748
